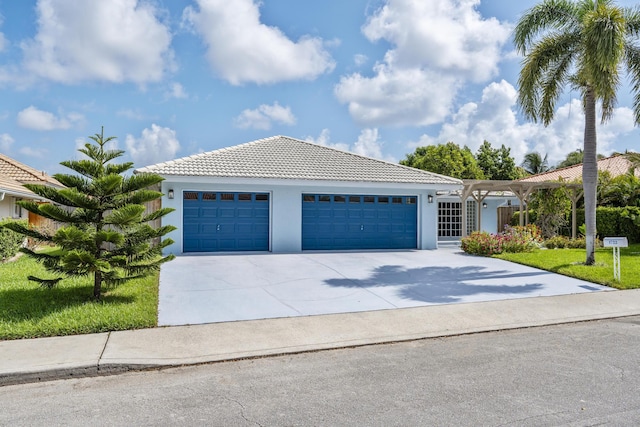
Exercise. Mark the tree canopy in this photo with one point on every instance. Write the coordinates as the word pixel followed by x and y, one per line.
pixel 446 159
pixel 497 163
pixel 106 234
pixel 534 163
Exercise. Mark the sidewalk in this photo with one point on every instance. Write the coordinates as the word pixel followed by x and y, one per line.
pixel 33 360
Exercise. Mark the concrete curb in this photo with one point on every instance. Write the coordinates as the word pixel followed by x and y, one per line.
pixel 45 359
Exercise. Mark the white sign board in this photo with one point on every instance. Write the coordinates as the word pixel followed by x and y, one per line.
pixel 615 242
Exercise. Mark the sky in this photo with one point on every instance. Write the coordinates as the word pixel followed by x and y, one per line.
pixel 173 78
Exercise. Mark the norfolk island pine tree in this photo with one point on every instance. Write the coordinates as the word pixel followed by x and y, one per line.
pixel 106 233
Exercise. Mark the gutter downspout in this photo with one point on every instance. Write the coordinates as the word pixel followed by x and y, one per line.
pixel 2 196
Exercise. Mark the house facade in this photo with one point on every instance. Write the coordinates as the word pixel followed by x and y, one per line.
pixel 281 194
pixel 13 175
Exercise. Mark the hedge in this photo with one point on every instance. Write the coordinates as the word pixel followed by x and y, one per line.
pixel 610 222
pixel 10 242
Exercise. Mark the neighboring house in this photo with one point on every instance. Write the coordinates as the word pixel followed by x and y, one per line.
pixel 12 175
pixel 616 165
pixel 281 194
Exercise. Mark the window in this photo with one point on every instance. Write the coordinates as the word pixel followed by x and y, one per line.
pixel 339 199
pixel 354 199
pixel 17 209
pixel 244 197
pixel 369 199
pixel 383 200
pixel 190 195
pixel 209 196
pixel 227 197
pixel 324 198
pixel 396 200
pixel 411 200
pixel 262 197
pixel 309 198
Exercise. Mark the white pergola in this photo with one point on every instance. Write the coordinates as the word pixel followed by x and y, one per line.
pixel 480 189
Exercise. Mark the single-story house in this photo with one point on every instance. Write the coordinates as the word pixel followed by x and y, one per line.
pixel 12 175
pixel 282 194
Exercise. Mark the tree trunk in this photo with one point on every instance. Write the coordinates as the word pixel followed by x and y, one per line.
pixel 590 174
pixel 97 285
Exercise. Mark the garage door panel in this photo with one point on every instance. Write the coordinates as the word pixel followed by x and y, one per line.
pixel 214 221
pixel 358 222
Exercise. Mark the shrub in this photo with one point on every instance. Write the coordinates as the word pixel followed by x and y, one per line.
pixel 562 242
pixel 513 239
pixel 10 242
pixel 556 242
pixel 481 243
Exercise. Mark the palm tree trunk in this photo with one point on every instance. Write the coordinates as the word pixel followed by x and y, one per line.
pixel 590 174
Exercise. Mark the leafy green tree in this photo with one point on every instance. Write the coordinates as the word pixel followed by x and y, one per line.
pixel 584 43
pixel 534 163
pixel 107 235
pixel 574 158
pixel 622 191
pixel 497 163
pixel 446 159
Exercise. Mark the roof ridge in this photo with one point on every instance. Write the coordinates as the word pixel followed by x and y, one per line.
pixel 35 173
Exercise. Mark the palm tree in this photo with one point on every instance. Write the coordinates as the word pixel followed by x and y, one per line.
pixel 585 43
pixel 534 164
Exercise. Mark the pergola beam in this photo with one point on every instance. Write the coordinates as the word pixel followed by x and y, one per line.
pixel 521 189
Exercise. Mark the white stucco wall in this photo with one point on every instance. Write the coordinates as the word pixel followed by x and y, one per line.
pixel 286 206
pixel 7 208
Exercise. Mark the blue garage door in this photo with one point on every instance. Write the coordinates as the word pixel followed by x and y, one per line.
pixel 335 221
pixel 219 221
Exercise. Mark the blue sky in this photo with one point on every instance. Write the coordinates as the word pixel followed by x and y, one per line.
pixel 171 78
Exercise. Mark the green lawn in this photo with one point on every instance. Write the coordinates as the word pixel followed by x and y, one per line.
pixel 570 262
pixel 29 311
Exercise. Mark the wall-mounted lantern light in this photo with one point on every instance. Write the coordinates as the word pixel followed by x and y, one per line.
pixel 430 198
pixel 170 194
pixel 484 205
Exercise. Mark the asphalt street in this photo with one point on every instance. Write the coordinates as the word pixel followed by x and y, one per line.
pixel 574 374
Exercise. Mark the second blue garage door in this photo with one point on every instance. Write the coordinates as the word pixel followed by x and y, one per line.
pixel 336 221
pixel 222 221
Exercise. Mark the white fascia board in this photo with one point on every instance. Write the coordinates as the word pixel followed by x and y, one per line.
pixel 309 183
pixel 24 195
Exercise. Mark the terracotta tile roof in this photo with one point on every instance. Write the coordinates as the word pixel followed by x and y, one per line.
pixel 10 186
pixel 616 165
pixel 281 157
pixel 13 169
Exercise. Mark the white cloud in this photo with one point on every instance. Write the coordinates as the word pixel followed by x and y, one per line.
pixel 5 142
pixel 155 145
pixel 114 41
pixel 368 144
pixel 494 119
pixel 241 49
pixel 397 96
pixel 360 59
pixel 438 46
pixel 33 118
pixel 263 116
pixel 177 91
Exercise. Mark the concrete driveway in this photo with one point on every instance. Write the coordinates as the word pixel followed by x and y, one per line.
pixel 196 289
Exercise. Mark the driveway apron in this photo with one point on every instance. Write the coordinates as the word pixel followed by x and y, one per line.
pixel 207 288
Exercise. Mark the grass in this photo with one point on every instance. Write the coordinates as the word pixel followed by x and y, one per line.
pixel 570 262
pixel 29 311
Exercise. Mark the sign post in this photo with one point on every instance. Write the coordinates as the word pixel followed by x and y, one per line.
pixel 616 243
